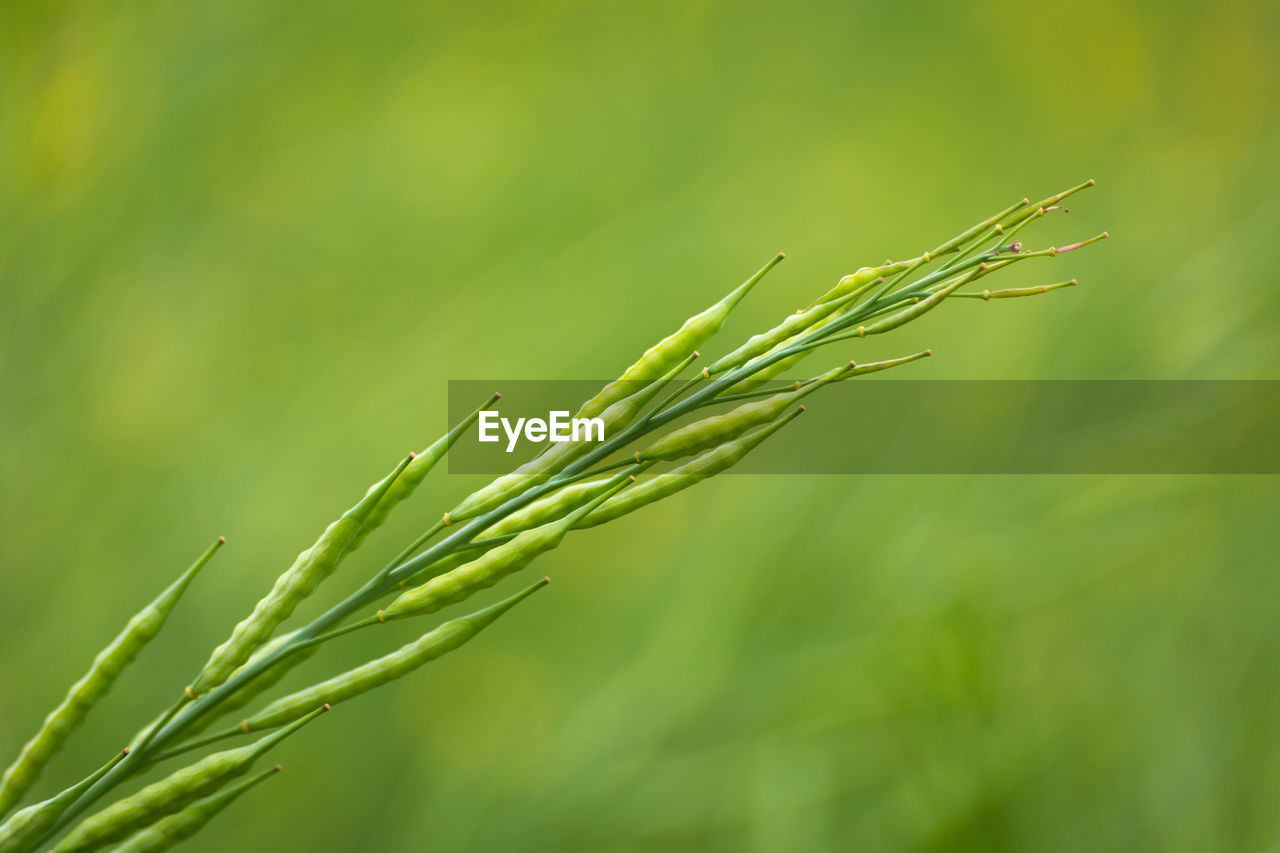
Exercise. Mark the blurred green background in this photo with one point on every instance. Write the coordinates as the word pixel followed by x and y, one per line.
pixel 245 245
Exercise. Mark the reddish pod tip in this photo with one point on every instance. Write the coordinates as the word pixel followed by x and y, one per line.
pixel 326 706
pixel 802 408
pixel 1092 182
pixel 853 363
pixel 546 580
pixel 222 540
pixel 497 395
pixel 412 455
pixel 277 768
pixel 124 751
pixel 1074 282
pixel 1026 200
pixel 928 352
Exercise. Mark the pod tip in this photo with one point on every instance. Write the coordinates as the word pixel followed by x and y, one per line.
pixel 782 256
pixel 277 768
pixel 497 395
pixel 802 408
pixel 852 363
pixel 412 455
pixel 546 580
pixel 1106 234
pixel 632 478
pixel 1026 200
pixel 191 693
pixel 222 540
pixel 124 751
pixel 929 351
pixel 1074 282
pixel 326 707
pixel 696 354
pixel 1092 182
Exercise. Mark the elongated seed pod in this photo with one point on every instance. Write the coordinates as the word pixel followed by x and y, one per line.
pixel 402 487
pixel 27 826
pixel 1015 292
pixel 301 579
pixel 173 793
pixel 166 832
pixel 93 685
pixel 540 469
pixel 444 639
pixel 718 429
pixel 683 476
pixel 493 566
pixel 669 351
pixel 551 507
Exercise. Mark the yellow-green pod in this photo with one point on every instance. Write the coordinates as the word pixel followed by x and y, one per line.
pixel 669 351
pixel 175 828
pixel 718 429
pixel 403 486
pixel 861 281
pixel 540 469
pixel 695 470
pixel 171 794
pixel 553 506
pixel 93 685
pixel 444 639
pixel 301 579
pixel 492 567
pixel 29 825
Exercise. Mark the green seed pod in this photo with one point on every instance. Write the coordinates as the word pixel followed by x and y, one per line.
pixel 718 429
pixel 173 793
pixel 406 659
pixel 167 832
pixel 1014 292
pixel 301 579
pixel 553 506
pixel 93 685
pixel 29 825
pixel 668 352
pixel 682 477
pixel 540 469
pixel 402 487
pixel 492 567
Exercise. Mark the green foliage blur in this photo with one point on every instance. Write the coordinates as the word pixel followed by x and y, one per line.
pixel 246 244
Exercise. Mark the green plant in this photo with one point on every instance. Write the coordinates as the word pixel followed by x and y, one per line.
pixel 494 532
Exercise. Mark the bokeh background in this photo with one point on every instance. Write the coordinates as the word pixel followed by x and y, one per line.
pixel 246 244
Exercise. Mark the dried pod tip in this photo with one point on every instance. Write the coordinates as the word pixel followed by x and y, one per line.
pixel 696 354
pixel 124 751
pixel 801 409
pixel 928 352
pixel 222 540
pixel 1092 182
pixel 546 581
pixel 1074 282
pixel 326 707
pixel 631 479
pixel 497 395
pixel 276 769
pixel 782 256
pixel 1026 200
pixel 412 455
pixel 852 363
